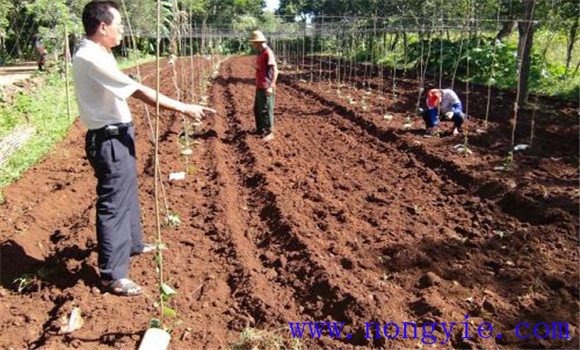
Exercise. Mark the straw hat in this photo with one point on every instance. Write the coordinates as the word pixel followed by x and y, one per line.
pixel 258 36
pixel 433 98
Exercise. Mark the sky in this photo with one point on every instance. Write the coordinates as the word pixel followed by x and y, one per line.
pixel 272 4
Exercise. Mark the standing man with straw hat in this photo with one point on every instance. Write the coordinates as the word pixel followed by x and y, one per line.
pixel 102 90
pixel 266 77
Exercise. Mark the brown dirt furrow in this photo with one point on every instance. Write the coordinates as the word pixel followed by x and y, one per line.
pixel 344 217
pixel 547 174
pixel 251 284
pixel 336 257
pixel 453 224
pixel 513 202
pixel 314 295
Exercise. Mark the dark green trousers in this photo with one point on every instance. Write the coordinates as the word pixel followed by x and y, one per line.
pixel 264 111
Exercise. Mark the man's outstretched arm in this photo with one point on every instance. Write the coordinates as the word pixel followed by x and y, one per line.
pixel 149 96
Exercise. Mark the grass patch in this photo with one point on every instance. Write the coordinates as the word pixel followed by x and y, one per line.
pixel 45 108
pixel 128 62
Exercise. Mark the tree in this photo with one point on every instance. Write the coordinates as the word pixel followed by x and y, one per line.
pixel 5 8
pixel 567 15
pixel 526 29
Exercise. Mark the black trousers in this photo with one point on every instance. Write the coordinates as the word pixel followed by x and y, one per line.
pixel 119 230
pixel 264 111
pixel 458 119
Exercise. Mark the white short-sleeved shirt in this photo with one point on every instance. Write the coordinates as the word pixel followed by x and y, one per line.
pixel 448 100
pixel 101 88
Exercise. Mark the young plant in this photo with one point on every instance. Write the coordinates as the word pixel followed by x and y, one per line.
pixel 467 151
pixel 26 283
pixel 191 169
pixel 509 160
pixel 172 220
pixel 364 105
pixel 166 293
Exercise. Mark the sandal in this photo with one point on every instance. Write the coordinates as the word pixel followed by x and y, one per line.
pixel 124 287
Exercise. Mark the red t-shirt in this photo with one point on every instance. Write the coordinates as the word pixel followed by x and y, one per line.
pixel 265 62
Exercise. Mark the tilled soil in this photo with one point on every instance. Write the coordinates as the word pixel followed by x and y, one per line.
pixel 342 217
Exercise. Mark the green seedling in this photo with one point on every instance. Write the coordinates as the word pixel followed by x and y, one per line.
pixel 183 141
pixel 26 283
pixel 417 210
pixel 501 234
pixel 191 169
pixel 166 293
pixel 172 220
pixel 186 152
pixel 466 144
pixel 408 123
pixel 509 160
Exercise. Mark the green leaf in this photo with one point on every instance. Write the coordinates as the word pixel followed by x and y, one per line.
pixel 169 312
pixel 154 323
pixel 167 290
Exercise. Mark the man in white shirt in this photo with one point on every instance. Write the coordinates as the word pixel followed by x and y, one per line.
pixel 101 90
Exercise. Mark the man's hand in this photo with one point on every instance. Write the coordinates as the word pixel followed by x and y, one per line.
pixel 270 91
pixel 196 111
pixel 449 115
pixel 149 96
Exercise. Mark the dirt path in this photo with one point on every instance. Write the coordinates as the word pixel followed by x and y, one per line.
pixel 339 218
pixel 12 74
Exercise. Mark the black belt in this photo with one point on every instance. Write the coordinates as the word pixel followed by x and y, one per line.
pixel 112 130
pixel 96 136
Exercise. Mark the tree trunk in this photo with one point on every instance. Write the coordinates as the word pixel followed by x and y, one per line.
pixel 395 41
pixel 525 44
pixel 203 29
pixel 405 50
pixel 506 29
pixel 405 44
pixel 572 39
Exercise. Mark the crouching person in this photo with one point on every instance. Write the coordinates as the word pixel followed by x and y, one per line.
pixel 445 103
